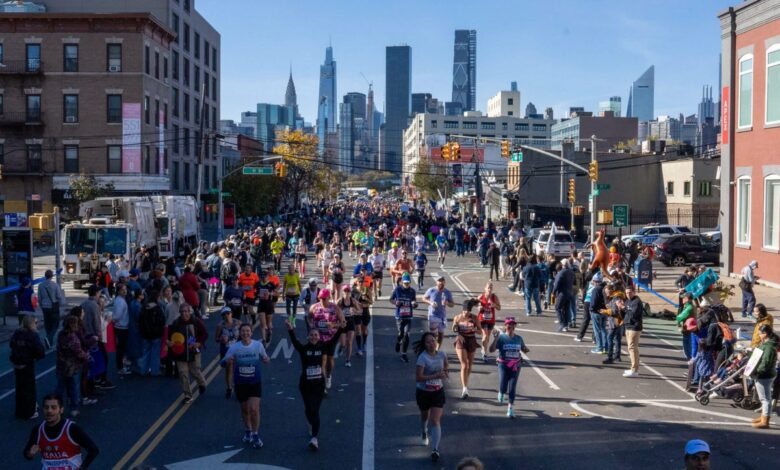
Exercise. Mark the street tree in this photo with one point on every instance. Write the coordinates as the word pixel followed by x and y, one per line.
pixel 430 179
pixel 299 152
pixel 85 188
pixel 253 195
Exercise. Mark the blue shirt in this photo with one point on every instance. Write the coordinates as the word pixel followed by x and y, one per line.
pixel 406 298
pixel 358 267
pixel 439 298
pixel 420 261
pixel 248 361
pixel 509 348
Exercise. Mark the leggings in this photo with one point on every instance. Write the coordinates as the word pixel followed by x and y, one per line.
pixel 493 269
pixel 507 381
pixel 420 277
pixel 404 325
pixel 312 394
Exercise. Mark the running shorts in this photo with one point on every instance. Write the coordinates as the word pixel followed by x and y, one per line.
pixel 435 324
pixel 469 343
pixel 365 317
pixel 350 323
pixel 427 400
pixel 246 391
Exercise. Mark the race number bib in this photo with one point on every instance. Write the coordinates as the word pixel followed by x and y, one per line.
pixel 433 385
pixel 313 372
pixel 322 324
pixel 511 351
pixel 246 371
pixel 292 291
pixel 405 311
pixel 487 315
pixel 235 301
pixel 264 294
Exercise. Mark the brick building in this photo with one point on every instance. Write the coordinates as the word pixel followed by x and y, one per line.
pixel 73 88
pixel 750 139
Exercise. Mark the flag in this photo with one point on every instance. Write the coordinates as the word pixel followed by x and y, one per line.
pixel 549 247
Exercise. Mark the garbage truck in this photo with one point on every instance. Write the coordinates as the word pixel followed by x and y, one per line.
pixel 177 222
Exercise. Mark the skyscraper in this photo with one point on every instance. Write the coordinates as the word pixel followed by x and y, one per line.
pixel 290 97
pixel 398 94
pixel 326 107
pixel 464 69
pixel 346 136
pixel 706 106
pixel 614 104
pixel 641 96
pixel 530 110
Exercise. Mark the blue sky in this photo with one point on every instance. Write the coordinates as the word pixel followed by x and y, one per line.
pixel 561 52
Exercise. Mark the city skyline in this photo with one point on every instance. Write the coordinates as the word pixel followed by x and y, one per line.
pixel 630 39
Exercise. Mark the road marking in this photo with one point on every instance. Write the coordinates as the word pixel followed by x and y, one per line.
pixel 153 428
pixel 577 405
pixel 12 391
pixel 368 413
pixel 4 373
pixel 218 461
pixel 541 374
pixel 284 347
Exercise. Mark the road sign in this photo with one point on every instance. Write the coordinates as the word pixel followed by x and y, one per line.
pixel 226 194
pixel 620 215
pixel 596 192
pixel 257 170
pixel 602 186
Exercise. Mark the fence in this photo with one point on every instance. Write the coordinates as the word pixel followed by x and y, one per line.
pixel 698 220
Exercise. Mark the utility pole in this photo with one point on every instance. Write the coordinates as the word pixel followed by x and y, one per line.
pixel 199 173
pixel 478 181
pixel 57 245
pixel 593 191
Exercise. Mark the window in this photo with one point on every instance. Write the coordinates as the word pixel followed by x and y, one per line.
pixel 510 101
pixel 488 126
pixel 705 188
pixel 214 177
pixel 33 57
pixel 521 126
pixel 156 64
pixel 33 109
pixel 70 108
pixel 214 124
pixel 504 126
pixel 196 75
pixel 175 139
pixel 670 188
pixel 510 113
pixel 148 161
pixel 196 43
pixel 539 128
pixel 186 100
pixel 743 210
pixel 186 141
pixel 1 53
pixel 186 37
pixel 115 159
pixel 2 156
pixel 176 102
pixel 745 110
pixel 165 68
pixel 206 83
pixel 206 49
pixel 186 72
pixel 434 123
pixel 175 23
pixel 165 115
pixel 450 124
pixel 70 58
pixel 687 188
pixel 773 84
pixel 146 61
pixel 175 178
pixel 157 113
pixel 187 6
pixel 772 212
pixel 71 159
pixel 2 104
pixel 114 57
pixel 214 88
pixel 186 176
pixel 214 59
pixel 113 108
pixel 469 125
pixel 34 158
pixel 175 65
pixel 206 169
pixel 146 109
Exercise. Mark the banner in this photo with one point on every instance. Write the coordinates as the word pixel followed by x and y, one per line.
pixel 725 119
pixel 131 137
pixel 161 151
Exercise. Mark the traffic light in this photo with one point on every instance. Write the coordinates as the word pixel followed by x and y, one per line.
pixel 594 171
pixel 280 169
pixel 505 149
pixel 284 170
pixel 445 152
pixel 455 151
pixel 572 196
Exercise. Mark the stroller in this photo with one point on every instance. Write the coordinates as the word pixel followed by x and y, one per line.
pixel 730 382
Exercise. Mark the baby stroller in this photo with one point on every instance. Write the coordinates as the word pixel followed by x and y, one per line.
pixel 727 381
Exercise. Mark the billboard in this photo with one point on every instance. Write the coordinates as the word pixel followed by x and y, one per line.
pixel 161 151
pixel 466 154
pixel 131 137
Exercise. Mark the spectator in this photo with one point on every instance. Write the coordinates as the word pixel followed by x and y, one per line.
pixel 766 371
pixel 762 318
pixel 697 455
pixel 26 348
pixel 24 298
pixel 51 299
pixel 632 319
pixel 152 327
pixel 71 358
pixel 563 287
pixel 746 284
pixel 187 336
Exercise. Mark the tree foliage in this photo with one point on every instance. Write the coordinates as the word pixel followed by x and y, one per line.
pixel 429 179
pixel 306 174
pixel 253 195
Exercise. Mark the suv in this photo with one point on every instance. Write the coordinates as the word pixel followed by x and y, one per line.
pixel 562 245
pixel 648 234
pixel 686 248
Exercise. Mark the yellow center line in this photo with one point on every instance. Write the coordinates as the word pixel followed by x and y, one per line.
pixel 153 428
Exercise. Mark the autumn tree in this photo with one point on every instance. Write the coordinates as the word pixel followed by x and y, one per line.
pixel 299 153
pixel 431 179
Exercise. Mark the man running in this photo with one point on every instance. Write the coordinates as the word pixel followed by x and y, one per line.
pixel 420 263
pixel 438 299
pixel 402 265
pixel 246 356
pixel 377 260
pixel 405 300
pixel 442 245
pixel 59 441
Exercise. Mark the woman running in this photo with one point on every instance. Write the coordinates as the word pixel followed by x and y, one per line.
pixel 300 256
pixel 430 373
pixel 488 306
pixel 247 355
pixel 326 257
pixel 312 381
pixel 326 317
pixel 466 325
pixel 226 335
pixel 336 276
pixel 351 311
pixel 509 346
pixel 362 291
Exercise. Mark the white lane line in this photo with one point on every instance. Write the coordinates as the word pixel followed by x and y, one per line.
pixel 541 374
pixel 11 392
pixel 578 405
pixel 368 412
pixel 666 379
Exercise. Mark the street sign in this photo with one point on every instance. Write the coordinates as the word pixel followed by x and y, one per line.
pixel 257 170
pixel 517 156
pixel 620 215
pixel 602 186
pixel 226 194
pixel 596 192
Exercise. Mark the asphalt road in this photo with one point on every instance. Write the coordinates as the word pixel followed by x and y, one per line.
pixel 572 411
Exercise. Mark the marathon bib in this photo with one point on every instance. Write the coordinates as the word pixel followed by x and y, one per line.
pixel 313 372
pixel 292 291
pixel 246 371
pixel 487 315
pixel 512 351
pixel 433 385
pixel 264 294
pixel 236 302
pixel 405 311
pixel 58 465
pixel 322 324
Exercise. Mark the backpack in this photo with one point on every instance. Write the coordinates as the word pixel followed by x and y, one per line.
pixel 152 322
pixel 728 333
pixel 254 251
pixel 646 311
pixel 229 269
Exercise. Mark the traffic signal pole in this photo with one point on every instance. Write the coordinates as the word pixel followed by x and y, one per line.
pixel 593 182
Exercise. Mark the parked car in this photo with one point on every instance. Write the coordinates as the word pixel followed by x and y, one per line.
pixel 713 235
pixel 562 244
pixel 686 248
pixel 648 234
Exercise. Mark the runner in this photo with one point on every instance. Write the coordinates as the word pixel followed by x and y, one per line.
pixel 325 258
pixel 300 256
pixel 326 317
pixel 442 245
pixel 277 248
pixel 405 300
pixel 265 305
pixel 488 305
pixel 246 355
pixel 226 335
pixel 312 382
pixel 362 290
pixel 438 299
pixel 509 346
pixel 59 441
pixel 466 325
pixel 420 262
pixel 351 311
pixel 402 265
pixel 336 276
pixel 291 287
pixel 430 373
pixel 234 297
pixel 377 260
pixel 248 281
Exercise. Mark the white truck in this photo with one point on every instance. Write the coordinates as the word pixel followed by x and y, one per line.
pixel 111 225
pixel 177 222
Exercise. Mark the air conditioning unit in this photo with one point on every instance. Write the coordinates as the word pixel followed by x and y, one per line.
pixel 70 119
pixel 114 68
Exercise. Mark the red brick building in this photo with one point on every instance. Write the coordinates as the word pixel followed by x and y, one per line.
pixel 750 152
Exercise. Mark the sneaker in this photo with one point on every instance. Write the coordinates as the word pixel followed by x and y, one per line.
pixel 604 351
pixel 314 444
pixel 202 389
pixel 465 393
pixel 572 325
pixel 86 401
pixel 565 329
pixel 500 398
pixel 206 316
pixel 484 357
pixel 510 289
pixel 405 358
pixel 34 416
pixel 578 339
pixel 595 351
pixel 435 455
pixel 328 382
pixel 556 322
pixel 247 437
pixel 186 401
pixel 380 293
pixel 228 393
pixel 510 412
pixel 630 373
pixel 256 442
pixel 425 438
pixel 105 385
pixel 608 361
pixel 124 371
pixel 360 352
pixel 545 305
pixel 348 364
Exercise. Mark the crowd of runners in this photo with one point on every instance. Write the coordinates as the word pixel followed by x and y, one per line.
pixel 329 265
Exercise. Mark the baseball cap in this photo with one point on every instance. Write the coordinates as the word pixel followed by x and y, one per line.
pixel 135 272
pixel 346 288
pixel 313 281
pixel 694 446
pixel 324 294
pixel 406 278
pixel 394 245
pixel 225 311
pixel 510 321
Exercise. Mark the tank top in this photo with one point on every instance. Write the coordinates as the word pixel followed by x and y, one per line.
pixel 346 310
pixel 467 327
pixel 487 315
pixel 322 317
pixel 60 453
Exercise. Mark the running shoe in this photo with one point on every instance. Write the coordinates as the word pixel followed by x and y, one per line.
pixel 465 393
pixel 360 352
pixel 595 351
pixel 630 373
pixel 348 364
pixel 34 416
pixel 247 437
pixel 565 329
pixel 313 444
pixel 256 442
pixel 578 339
pixel 510 412
pixel 328 382
pixel 425 438
pixel 105 385
pixel 500 398
pixel 86 401
pixel 483 357
pixel 435 455
pixel 124 371
pixel 405 358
